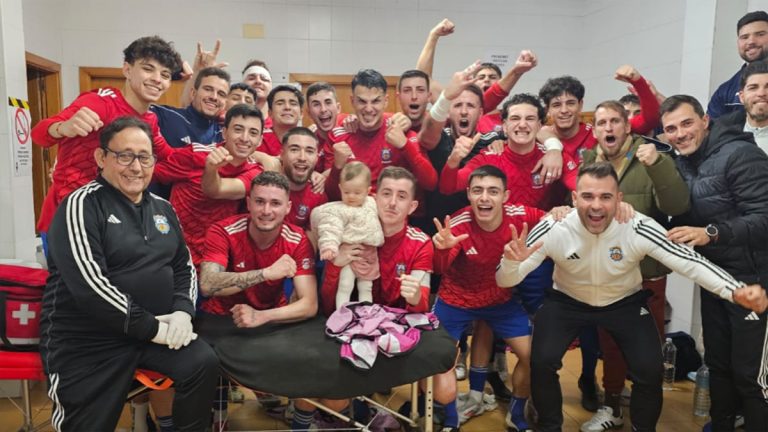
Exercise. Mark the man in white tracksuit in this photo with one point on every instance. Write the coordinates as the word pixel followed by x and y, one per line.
pixel 598 282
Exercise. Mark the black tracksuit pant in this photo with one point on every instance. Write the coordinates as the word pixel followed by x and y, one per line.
pixel 90 397
pixel 736 352
pixel 630 324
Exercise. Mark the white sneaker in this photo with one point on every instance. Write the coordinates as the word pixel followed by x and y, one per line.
pixel 603 420
pixel 468 407
pixel 461 371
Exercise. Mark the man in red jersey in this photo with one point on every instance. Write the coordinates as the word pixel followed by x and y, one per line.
pixel 248 256
pixel 149 63
pixel 523 117
pixel 376 143
pixel 467 249
pixel 323 108
pixel 563 98
pixel 285 104
pixel 184 169
pixel 413 94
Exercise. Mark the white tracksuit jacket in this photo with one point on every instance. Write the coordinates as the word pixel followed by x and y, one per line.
pixel 601 269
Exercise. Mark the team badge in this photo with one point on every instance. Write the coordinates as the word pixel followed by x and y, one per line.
pixel 306 263
pixel 386 155
pixel 161 223
pixel 571 165
pixel 536 181
pixel 399 269
pixel 615 253
pixel 302 212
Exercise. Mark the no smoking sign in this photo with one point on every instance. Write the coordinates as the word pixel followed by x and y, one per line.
pixel 21 125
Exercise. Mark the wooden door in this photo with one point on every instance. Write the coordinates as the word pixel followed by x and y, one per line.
pixel 98 77
pixel 344 90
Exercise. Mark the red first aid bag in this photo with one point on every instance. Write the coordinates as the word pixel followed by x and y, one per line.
pixel 21 298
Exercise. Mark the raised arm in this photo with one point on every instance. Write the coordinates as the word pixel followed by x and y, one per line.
pixel 426 59
pixel 669 189
pixel 216 187
pixel 526 61
pixel 649 104
pixel 203 59
pixel 522 254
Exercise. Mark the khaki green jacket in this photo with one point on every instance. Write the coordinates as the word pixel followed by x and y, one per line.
pixel 657 191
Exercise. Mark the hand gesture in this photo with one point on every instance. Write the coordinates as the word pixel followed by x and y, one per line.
pixel 691 236
pixel 204 59
pixel 461 80
pixel 341 153
pixel 525 61
pixel 443 28
pixel 550 166
pixel 410 289
pixel 461 148
pixel 217 158
pixel 395 136
pixel 82 123
pixel 751 297
pixel 497 146
pixel 516 249
pixel 347 254
pixel 559 213
pixel 351 123
pixel 624 212
pixel 245 316
pixel 627 74
pixel 317 180
pixel 647 154
pixel 444 238
pixel 399 121
pixel 284 267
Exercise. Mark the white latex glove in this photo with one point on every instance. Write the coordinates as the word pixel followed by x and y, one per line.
pixel 179 332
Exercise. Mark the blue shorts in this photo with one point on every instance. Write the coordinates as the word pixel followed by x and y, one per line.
pixel 507 320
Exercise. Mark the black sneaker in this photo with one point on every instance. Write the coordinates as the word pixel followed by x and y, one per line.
pixel 589 400
pixel 500 389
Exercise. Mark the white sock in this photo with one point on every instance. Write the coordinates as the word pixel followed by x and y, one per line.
pixel 476 396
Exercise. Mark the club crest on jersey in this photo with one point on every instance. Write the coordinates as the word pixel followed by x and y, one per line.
pixel 399 269
pixel 615 253
pixel 536 181
pixel 302 212
pixel 386 155
pixel 161 223
pixel 306 263
pixel 571 165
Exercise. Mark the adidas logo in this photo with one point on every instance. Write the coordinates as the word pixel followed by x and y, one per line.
pixel 241 264
pixel 573 256
pixel 643 311
pixel 105 92
pixel 187 140
pixel 113 219
pixel 751 317
pixel 472 251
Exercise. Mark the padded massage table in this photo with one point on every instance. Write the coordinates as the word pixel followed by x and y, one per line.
pixel 299 361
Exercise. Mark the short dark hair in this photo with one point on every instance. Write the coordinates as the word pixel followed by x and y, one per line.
pixel 211 71
pixel 524 98
pixel 413 73
pixel 119 125
pixel 155 48
pixel 355 169
pixel 750 18
pixel 369 78
pixel 488 171
pixel 477 91
pixel 754 68
pixel 555 87
pixel 244 87
pixel 299 130
pixel 254 62
pixel 616 106
pixel 319 86
pixel 285 88
pixel 245 111
pixel 674 102
pixel 489 65
pixel 397 173
pixel 629 99
pixel 598 170
pixel 271 178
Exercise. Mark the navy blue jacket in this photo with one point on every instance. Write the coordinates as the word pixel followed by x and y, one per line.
pixel 726 97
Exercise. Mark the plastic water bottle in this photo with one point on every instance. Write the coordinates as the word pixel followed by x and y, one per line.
pixel 701 393
pixel 669 352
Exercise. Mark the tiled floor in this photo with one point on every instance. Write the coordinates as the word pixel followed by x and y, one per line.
pixel 676 416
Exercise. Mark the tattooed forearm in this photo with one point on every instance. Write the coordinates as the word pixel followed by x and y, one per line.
pixel 214 281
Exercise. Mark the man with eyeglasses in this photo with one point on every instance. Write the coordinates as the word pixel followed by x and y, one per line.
pixel 121 294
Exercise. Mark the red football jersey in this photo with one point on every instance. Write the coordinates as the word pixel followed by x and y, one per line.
pixel 184 169
pixel 75 165
pixel 228 244
pixel 270 143
pixel 525 187
pixel 302 203
pixel 469 268
pixel 490 122
pixel 583 140
pixel 402 253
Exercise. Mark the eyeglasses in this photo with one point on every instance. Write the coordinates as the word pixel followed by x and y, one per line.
pixel 126 158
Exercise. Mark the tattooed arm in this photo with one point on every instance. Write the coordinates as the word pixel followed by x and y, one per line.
pixel 214 281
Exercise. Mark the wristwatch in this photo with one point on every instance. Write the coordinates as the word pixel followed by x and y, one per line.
pixel 712 232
